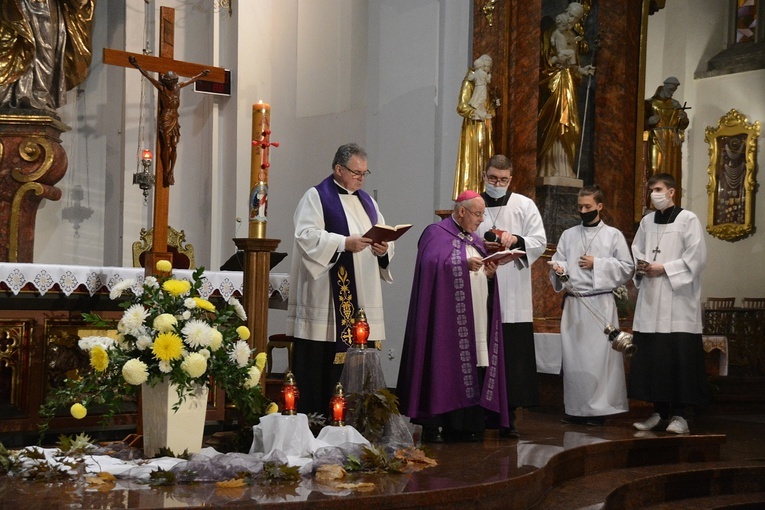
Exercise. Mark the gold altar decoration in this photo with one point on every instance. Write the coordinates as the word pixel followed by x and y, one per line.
pixel 732 176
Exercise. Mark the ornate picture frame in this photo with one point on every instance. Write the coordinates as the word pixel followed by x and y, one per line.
pixel 732 176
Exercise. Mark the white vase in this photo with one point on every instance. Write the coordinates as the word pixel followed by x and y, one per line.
pixel 177 430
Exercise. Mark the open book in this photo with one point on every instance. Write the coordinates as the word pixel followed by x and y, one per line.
pixel 504 256
pixel 380 233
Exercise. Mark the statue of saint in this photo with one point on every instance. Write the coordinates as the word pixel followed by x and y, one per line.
pixel 45 50
pixel 665 123
pixel 169 92
pixel 476 107
pixel 559 124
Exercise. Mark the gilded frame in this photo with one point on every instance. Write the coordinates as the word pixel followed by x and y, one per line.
pixel 732 176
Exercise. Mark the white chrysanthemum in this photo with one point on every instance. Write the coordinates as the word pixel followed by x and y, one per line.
pixel 165 367
pixel 253 378
pixel 196 333
pixel 205 353
pixel 195 365
pixel 135 372
pixel 186 315
pixel 120 340
pixel 216 339
pixel 120 287
pixel 88 342
pixel 151 282
pixel 240 354
pixel 164 323
pixel 143 342
pixel 189 303
pixel 238 308
pixel 133 318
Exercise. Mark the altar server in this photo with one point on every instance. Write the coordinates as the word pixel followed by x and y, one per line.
pixel 597 260
pixel 335 271
pixel 512 221
pixel 668 368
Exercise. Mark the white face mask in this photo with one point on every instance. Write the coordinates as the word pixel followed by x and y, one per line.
pixel 660 200
pixel 496 191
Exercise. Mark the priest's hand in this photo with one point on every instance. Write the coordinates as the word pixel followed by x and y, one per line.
pixel 508 240
pixel 490 268
pixel 653 269
pixel 380 249
pixel 586 261
pixel 355 244
pixel 474 263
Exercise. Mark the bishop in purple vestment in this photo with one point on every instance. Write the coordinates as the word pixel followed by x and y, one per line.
pixel 451 369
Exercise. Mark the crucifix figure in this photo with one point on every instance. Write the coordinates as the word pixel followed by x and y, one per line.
pixel 167 118
pixel 169 129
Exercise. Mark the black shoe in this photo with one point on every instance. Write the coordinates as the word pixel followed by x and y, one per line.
pixel 596 421
pixel 574 420
pixel 509 433
pixel 432 435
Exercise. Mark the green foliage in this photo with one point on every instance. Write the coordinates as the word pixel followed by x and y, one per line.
pixel 7 461
pixel 160 477
pixel 274 472
pixel 374 459
pixel 371 410
pixel 77 445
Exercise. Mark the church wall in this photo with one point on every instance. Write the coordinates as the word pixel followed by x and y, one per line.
pixel 679 43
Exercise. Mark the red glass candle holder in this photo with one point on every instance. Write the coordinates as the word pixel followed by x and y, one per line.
pixel 360 329
pixel 290 395
pixel 338 406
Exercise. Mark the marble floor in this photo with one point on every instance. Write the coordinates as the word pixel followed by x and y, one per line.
pixel 552 466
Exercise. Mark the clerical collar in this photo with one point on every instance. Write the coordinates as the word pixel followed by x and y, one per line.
pixel 464 233
pixel 496 202
pixel 668 215
pixel 591 225
pixel 344 191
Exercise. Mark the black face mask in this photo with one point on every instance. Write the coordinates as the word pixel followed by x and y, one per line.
pixel 589 217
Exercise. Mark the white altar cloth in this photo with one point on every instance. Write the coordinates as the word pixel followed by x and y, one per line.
pixel 43 277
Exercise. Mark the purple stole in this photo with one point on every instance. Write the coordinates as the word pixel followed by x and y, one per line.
pixel 342 276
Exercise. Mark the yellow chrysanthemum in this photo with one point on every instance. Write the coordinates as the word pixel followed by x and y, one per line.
pixel 253 378
pixel 260 361
pixel 164 266
pixel 272 408
pixel 99 359
pixel 164 323
pixel 167 347
pixel 135 372
pixel 177 287
pixel 204 304
pixel 216 339
pixel 243 332
pixel 195 365
pixel 78 411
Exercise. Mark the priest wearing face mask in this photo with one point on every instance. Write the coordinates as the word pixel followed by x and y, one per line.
pixel 668 368
pixel 596 258
pixel 513 221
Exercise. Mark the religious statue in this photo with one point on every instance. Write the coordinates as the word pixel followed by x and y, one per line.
pixel 45 50
pixel 559 124
pixel 169 129
pixel 665 123
pixel 476 107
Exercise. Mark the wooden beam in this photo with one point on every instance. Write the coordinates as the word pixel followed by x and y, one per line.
pixel 163 65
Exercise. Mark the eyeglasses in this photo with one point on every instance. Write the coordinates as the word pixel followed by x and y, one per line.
pixel 476 214
pixel 493 179
pixel 356 173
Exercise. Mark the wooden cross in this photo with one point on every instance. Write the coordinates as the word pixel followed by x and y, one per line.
pixel 162 64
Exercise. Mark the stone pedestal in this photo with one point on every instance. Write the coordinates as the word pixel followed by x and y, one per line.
pixel 557 205
pixel 32 160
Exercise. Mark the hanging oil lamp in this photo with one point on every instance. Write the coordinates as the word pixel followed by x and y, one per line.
pixel 360 330
pixel 290 395
pixel 338 406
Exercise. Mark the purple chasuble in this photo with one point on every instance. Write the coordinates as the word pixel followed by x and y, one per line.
pixel 342 276
pixel 438 370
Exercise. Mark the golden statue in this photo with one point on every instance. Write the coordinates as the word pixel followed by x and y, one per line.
pixel 476 107
pixel 559 122
pixel 665 123
pixel 45 50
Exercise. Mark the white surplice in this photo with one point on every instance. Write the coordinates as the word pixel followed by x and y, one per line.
pixel 521 217
pixel 311 312
pixel 593 373
pixel 671 302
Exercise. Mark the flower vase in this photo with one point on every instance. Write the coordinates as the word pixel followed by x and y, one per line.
pixel 163 427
